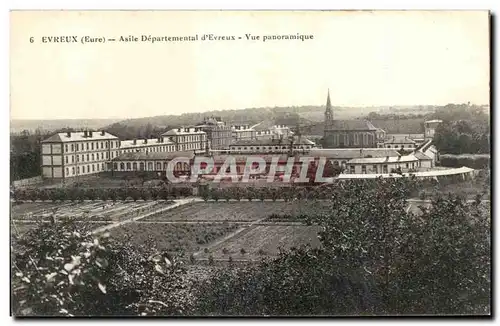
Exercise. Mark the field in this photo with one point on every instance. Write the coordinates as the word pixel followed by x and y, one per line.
pixel 232 211
pixel 264 240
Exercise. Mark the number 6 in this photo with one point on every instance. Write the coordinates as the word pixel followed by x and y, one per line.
pixel 32 39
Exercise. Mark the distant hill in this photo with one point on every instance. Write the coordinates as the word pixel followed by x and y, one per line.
pixel 17 126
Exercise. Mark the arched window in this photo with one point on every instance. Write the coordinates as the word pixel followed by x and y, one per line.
pixel 83 169
pixel 122 166
pixel 165 165
pixel 150 166
pixel 158 166
pixel 141 166
pixel 134 166
pixel 128 166
pixel 93 157
pixel 103 166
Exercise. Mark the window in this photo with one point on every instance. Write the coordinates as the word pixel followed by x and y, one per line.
pixel 122 166
pixel 385 169
pixel 87 146
pixel 66 159
pixel 93 168
pixel 106 144
pixel 102 156
pixel 375 169
pixel 83 158
pixel 134 166
pixel 165 166
pixel 158 166
pixel 388 146
pixel 97 167
pixel 112 144
pixel 407 165
pixel 150 166
pixel 67 171
pixel 115 166
pixel 363 169
pixel 83 169
pixel 352 169
pixel 66 147
pixel 88 157
pixel 102 166
pixel 107 155
pixel 128 166
pixel 102 145
pixel 92 146
pixel 77 169
pixel 72 147
pixel 73 160
pixel 73 170
pixel 93 158
pixel 396 146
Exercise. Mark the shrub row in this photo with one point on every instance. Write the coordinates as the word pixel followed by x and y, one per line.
pixel 471 161
pixel 79 194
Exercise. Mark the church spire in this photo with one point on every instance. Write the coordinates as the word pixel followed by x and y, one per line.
pixel 328 111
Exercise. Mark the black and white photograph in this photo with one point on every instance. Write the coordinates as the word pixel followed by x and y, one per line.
pixel 218 163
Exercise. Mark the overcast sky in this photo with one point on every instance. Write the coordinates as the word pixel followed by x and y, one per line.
pixel 377 58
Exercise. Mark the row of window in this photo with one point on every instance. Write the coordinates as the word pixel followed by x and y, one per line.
pixel 141 166
pixel 270 148
pixel 156 149
pixel 91 146
pixel 85 169
pixel 377 169
pixel 90 157
pixel 397 146
pixel 190 138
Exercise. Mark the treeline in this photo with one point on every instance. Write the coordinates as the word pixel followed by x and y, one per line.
pixel 114 194
pixel 463 137
pixel 376 258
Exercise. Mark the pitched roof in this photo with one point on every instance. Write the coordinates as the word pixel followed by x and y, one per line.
pixel 422 156
pixel 399 140
pixel 351 153
pixel 184 131
pixel 346 125
pixel 136 156
pixel 74 136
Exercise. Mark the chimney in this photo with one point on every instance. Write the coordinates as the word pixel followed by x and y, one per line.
pixel 85 133
pixel 103 132
pixel 68 134
pixel 179 130
pixel 90 133
pixel 145 140
pixel 135 142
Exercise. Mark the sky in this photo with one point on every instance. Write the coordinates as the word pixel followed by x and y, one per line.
pixel 379 58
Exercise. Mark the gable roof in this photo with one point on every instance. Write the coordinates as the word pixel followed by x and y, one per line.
pixel 346 125
pixel 74 136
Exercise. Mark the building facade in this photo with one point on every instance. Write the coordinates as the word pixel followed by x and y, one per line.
pixel 272 145
pixel 243 132
pixel 219 135
pixel 72 154
pixel 430 128
pixel 153 145
pixel 187 139
pixel 348 133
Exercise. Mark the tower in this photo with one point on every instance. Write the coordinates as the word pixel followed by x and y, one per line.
pixel 328 111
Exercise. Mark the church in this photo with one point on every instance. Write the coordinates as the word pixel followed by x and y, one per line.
pixel 347 133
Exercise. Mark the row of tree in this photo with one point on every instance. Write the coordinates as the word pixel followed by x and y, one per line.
pixel 80 194
pixel 375 258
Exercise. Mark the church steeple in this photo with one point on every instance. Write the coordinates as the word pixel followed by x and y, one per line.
pixel 328 111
